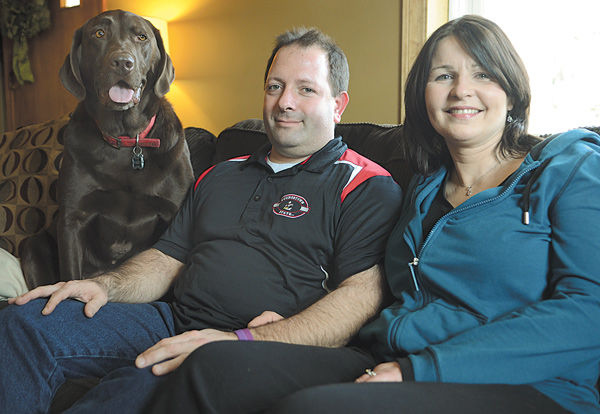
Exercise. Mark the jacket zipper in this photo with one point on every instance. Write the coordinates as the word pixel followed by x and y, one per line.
pixel 415 262
pixel 412 266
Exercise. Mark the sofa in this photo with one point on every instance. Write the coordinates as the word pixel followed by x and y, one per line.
pixel 30 158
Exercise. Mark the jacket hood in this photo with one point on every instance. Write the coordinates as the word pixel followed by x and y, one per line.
pixel 555 144
pixel 541 155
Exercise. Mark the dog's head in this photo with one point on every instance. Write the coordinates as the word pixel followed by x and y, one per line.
pixel 117 57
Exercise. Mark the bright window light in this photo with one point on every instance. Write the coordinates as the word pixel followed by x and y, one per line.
pixel 558 42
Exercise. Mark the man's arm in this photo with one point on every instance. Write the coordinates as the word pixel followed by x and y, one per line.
pixel 143 278
pixel 329 322
pixel 334 319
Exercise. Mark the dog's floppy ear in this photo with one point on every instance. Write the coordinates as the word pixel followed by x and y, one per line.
pixel 166 71
pixel 69 72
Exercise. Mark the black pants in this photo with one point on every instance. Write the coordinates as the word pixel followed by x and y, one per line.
pixel 256 377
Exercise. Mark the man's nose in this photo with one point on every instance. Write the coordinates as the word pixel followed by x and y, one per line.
pixel 287 100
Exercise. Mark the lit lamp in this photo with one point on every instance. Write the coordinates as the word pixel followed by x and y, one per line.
pixel 160 24
pixel 69 3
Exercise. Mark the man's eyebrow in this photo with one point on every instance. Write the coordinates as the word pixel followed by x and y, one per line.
pixel 304 80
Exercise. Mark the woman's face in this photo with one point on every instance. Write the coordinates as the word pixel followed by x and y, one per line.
pixel 464 104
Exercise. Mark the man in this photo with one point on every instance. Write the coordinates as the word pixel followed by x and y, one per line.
pixel 281 246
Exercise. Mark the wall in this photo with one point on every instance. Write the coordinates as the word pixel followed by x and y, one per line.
pixel 220 48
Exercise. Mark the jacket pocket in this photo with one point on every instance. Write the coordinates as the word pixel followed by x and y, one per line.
pixel 436 322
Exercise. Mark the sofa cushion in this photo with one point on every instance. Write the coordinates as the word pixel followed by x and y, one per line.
pixel 243 138
pixel 202 148
pixel 379 143
pixel 11 277
pixel 29 161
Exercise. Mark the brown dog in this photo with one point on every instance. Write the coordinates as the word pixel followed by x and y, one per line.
pixel 126 167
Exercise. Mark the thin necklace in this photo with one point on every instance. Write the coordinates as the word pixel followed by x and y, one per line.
pixel 469 188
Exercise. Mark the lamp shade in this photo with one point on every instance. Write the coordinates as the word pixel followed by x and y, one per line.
pixel 162 26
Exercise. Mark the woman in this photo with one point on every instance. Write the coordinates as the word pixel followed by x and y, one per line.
pixel 494 265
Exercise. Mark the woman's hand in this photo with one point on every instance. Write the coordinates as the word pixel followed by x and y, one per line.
pixel 387 372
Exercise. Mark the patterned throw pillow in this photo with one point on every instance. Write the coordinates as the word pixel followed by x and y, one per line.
pixel 29 161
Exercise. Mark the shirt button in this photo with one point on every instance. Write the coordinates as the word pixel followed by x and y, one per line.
pixel 257 198
pixel 269 179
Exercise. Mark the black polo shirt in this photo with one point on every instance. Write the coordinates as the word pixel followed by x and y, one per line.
pixel 253 240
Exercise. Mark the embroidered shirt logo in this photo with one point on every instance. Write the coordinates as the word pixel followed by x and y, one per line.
pixel 291 206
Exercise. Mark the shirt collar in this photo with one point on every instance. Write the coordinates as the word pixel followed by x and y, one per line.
pixel 316 163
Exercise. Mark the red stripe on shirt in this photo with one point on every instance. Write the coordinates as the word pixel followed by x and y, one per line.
pixel 244 158
pixel 367 167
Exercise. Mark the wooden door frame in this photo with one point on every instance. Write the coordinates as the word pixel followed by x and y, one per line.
pixel 45 99
pixel 418 19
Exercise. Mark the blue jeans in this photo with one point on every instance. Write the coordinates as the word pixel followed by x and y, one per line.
pixel 38 353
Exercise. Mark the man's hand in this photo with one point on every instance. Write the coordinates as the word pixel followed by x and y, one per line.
pixel 386 372
pixel 174 350
pixel 89 292
pixel 265 318
pixel 143 278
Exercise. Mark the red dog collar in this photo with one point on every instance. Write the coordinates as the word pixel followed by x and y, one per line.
pixel 139 141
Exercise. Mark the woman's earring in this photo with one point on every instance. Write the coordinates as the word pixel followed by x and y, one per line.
pixel 509 118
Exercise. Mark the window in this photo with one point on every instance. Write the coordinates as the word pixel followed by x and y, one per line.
pixel 558 42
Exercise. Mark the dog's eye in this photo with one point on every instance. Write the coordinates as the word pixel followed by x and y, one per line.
pixel 142 37
pixel 99 33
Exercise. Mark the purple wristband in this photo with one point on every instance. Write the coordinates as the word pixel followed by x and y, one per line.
pixel 244 335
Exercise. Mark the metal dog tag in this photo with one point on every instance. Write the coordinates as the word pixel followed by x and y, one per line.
pixel 137 161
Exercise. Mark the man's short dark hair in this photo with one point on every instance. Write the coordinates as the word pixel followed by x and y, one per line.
pixel 339 73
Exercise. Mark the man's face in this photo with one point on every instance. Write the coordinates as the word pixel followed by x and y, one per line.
pixel 299 110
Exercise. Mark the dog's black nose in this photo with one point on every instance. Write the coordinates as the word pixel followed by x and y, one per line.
pixel 123 63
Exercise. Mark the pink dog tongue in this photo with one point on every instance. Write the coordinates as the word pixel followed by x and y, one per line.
pixel 120 94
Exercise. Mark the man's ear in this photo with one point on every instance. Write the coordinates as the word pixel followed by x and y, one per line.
pixel 341 101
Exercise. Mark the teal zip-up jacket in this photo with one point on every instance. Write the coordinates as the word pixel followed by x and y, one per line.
pixel 506 287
